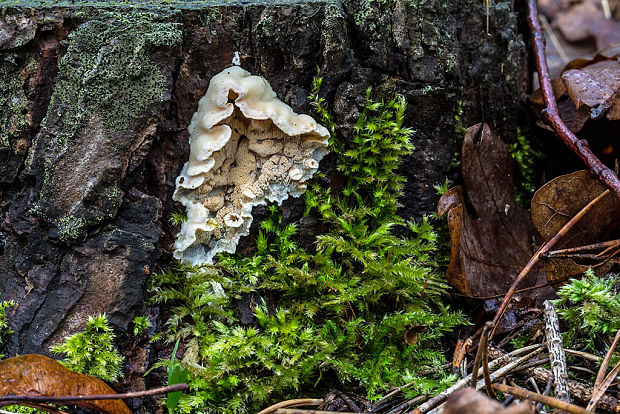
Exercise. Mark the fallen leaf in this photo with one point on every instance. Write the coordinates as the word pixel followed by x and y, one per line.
pixel 556 202
pixel 39 375
pixel 586 20
pixel 488 252
pixel 594 86
pixel 413 333
pixel 560 270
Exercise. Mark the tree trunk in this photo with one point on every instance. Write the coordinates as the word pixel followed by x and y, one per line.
pixel 95 104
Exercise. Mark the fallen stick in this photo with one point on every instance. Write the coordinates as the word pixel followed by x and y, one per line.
pixel 298 411
pixel 578 391
pixel 442 396
pixel 545 399
pixel 556 352
pixel 290 403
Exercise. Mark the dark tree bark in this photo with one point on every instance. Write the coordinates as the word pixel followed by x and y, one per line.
pixel 95 103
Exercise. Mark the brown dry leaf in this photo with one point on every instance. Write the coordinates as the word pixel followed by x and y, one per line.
pixel 489 252
pixel 412 334
pixel 40 375
pixel 594 86
pixel 586 20
pixel 559 270
pixel 555 203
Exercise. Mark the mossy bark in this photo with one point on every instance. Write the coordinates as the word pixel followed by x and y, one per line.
pixel 96 100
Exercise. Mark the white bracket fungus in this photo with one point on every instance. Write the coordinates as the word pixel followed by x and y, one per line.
pixel 246 147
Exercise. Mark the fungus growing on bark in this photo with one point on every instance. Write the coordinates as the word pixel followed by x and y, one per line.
pixel 246 147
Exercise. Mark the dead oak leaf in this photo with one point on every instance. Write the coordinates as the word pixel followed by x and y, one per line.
pixel 38 375
pixel 594 86
pixel 488 252
pixel 556 202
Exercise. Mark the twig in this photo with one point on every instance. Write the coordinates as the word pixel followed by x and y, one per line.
pixel 584 355
pixel 543 249
pixel 478 360
pixel 407 404
pixel 461 349
pixel 298 411
pixel 439 398
pixel 579 391
pixel 545 399
pixel 602 382
pixel 598 392
pixel 74 398
pixel 484 343
pixel 541 406
pixel 551 112
pixel 605 363
pixel 395 391
pixel 532 364
pixel 291 403
pixel 556 352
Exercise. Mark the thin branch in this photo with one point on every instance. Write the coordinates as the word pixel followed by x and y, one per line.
pixel 478 360
pixel 484 342
pixel 291 403
pixel 556 352
pixel 298 411
pixel 439 398
pixel 545 399
pixel 602 382
pixel 579 391
pixel 74 398
pixel 534 260
pixel 552 114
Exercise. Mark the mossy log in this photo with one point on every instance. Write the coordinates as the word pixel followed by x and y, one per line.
pixel 96 98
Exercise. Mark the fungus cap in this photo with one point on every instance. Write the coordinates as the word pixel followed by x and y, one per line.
pixel 246 148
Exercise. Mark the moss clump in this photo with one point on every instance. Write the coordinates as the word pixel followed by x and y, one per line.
pixel 92 351
pixel 591 308
pixel 4 325
pixel 70 228
pixel 262 327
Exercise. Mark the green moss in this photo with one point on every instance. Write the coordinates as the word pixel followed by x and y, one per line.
pixel 590 306
pixel 70 228
pixel 92 351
